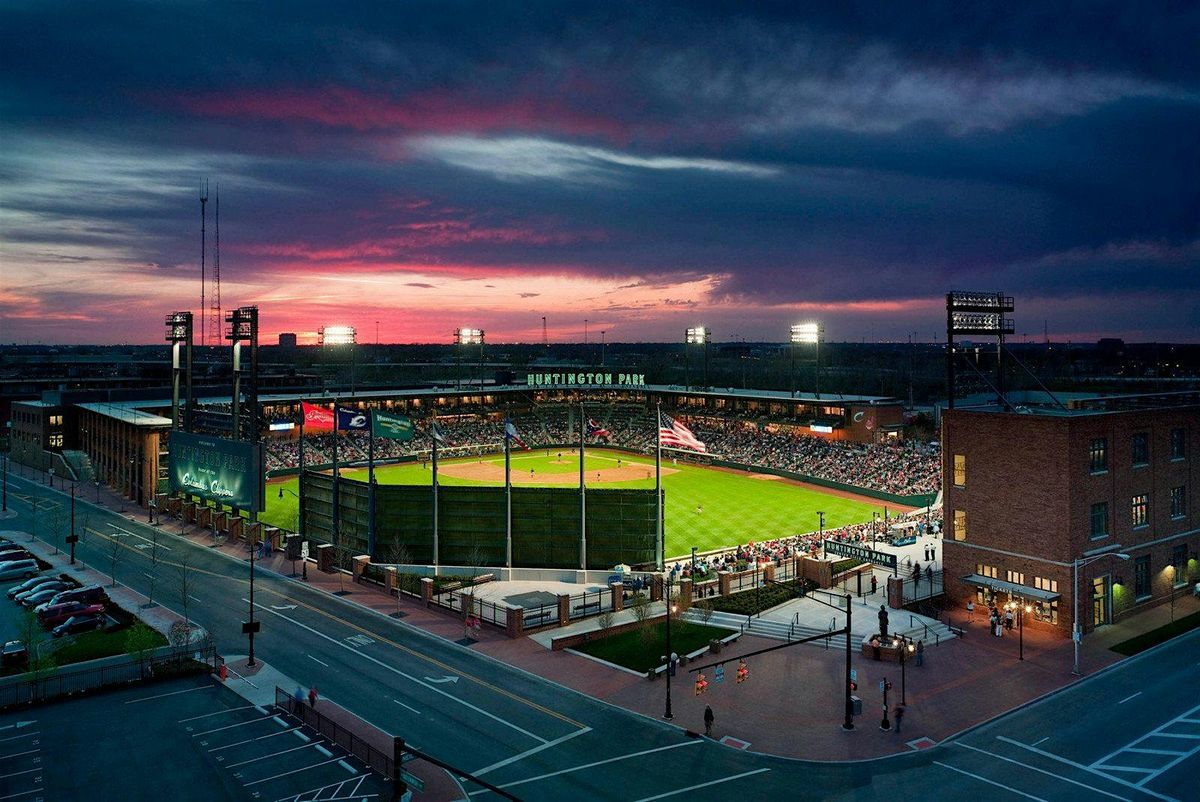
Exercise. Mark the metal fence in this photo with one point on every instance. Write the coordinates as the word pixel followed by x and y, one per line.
pixel 162 663
pixel 929 585
pixel 491 612
pixel 586 604
pixel 353 742
pixel 539 616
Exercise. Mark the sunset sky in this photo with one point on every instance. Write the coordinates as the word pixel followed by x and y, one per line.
pixel 646 166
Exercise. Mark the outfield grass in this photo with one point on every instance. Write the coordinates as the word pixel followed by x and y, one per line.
pixel 736 508
pixel 634 650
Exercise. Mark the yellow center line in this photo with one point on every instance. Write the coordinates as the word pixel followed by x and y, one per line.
pixel 370 632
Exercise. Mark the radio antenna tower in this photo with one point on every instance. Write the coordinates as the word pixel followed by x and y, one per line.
pixel 545 339
pixel 203 248
pixel 215 319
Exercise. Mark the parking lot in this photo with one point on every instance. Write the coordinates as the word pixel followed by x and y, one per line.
pixel 185 739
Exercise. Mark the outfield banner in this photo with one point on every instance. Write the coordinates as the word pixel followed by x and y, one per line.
pixel 225 471
pixel 317 419
pixel 391 427
pixel 880 558
pixel 349 419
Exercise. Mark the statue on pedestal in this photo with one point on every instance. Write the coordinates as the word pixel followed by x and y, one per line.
pixel 883 622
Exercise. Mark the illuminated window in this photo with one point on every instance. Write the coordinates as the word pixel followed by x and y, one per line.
pixel 1178 501
pixel 960 524
pixel 1139 446
pixel 987 570
pixel 1098 455
pixel 1099 520
pixel 960 470
pixel 1140 508
pixel 1016 577
pixel 56 440
pixel 1046 611
pixel 1042 583
pixel 1178 444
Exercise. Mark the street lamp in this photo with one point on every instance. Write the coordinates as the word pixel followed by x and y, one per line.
pixel 905 650
pixel 1077 630
pixel 806 334
pixel 670 655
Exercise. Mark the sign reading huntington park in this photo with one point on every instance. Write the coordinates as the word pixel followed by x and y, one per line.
pixel 588 378
pixel 225 471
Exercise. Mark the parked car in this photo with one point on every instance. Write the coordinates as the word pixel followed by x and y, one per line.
pixel 92 594
pixel 40 595
pixel 14 655
pixel 53 616
pixel 30 584
pixel 15 569
pixel 79 623
pixel 52 587
pixel 14 552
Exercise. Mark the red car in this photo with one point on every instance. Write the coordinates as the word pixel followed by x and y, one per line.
pixel 53 616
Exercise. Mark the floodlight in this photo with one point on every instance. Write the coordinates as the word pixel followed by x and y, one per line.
pixel 337 335
pixel 806 333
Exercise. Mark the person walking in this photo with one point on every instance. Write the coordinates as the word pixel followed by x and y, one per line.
pixel 874 583
pixel 312 696
pixel 971 611
pixel 708 720
pixel 920 653
pixel 298 696
pixel 898 716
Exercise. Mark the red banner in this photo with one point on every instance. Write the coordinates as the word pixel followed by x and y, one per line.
pixel 317 418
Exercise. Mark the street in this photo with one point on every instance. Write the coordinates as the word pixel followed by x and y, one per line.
pixel 1132 732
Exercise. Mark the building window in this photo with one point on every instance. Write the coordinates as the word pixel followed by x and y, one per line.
pixel 1139 446
pixel 1046 611
pixel 1178 502
pixel 1016 577
pixel 960 470
pixel 1042 583
pixel 1178 444
pixel 1141 577
pixel 56 440
pixel 1141 510
pixel 1098 455
pixel 960 524
pixel 1099 520
pixel 990 571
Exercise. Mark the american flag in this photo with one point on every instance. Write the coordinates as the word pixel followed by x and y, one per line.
pixel 672 433
pixel 596 430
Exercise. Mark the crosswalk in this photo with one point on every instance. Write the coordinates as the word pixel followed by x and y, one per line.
pixel 1158 751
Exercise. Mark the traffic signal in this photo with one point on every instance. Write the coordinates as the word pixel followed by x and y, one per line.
pixel 743 673
pixel 701 684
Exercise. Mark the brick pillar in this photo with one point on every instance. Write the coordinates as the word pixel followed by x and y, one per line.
pixel 426 590
pixel 391 581
pixel 358 565
pixel 723 581
pixel 685 594
pixel 564 610
pixel 656 588
pixel 617 591
pixel 768 572
pixel 895 592
pixel 514 622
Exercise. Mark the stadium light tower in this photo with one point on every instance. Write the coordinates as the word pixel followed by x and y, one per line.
pixel 464 337
pixel 806 334
pixel 337 336
pixel 180 335
pixel 695 335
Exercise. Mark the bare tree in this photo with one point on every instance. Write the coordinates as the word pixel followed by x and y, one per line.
pixel 606 620
pixel 35 637
pixel 183 585
pixel 155 555
pixel 639 605
pixel 476 558
pixel 341 564
pixel 140 641
pixel 59 523
pixel 114 548
pixel 399 554
pixel 706 610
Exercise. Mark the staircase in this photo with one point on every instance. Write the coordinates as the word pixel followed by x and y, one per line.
pixel 933 633
pixel 80 464
pixel 762 627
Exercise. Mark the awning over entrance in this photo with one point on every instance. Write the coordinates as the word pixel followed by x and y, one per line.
pixel 1011 588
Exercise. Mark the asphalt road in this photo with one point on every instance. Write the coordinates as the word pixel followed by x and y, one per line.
pixel 542 741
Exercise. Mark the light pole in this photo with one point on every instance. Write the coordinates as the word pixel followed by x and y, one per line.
pixel 1077 630
pixel 905 650
pixel 51 472
pixel 73 538
pixel 874 527
pixel 5 483
pixel 670 655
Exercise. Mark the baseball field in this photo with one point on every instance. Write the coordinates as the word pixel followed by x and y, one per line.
pixel 707 508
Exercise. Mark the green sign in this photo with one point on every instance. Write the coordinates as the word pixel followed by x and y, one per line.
pixel 586 378
pixel 393 427
pixel 228 472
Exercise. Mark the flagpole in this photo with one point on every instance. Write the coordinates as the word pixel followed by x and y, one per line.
pixel 371 483
pixel 433 438
pixel 507 495
pixel 336 499
pixel 658 525
pixel 582 493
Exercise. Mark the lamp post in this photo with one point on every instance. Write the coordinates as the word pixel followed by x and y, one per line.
pixel 51 483
pixel 5 483
pixel 1077 630
pixel 667 714
pixel 905 650
pixel 73 538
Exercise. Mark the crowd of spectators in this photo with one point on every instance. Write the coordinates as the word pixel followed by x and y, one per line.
pixel 900 467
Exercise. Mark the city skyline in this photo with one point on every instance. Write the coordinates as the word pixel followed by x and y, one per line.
pixel 646 167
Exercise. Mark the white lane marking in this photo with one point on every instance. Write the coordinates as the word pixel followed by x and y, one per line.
pixel 193 598
pixel 172 693
pixel 1168 767
pixel 1137 769
pixel 218 713
pixel 286 773
pixel 702 785
pixel 19 754
pixel 19 773
pixel 986 780
pixel 17 726
pixel 408 707
pixel 442 680
pixel 139 537
pixel 347 767
pixel 283 607
pixel 1042 771
pixel 324 751
pixel 315 660
pixel 1151 774
pixel 251 740
pixel 19 737
pixel 1089 769
pixel 527 752
pixel 1131 696
pixel 1041 740
pixel 23 793
pixel 228 727
pixel 266 756
pixel 1153 751
pixel 407 676
pixel 590 765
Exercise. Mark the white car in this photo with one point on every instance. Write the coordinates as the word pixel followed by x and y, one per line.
pixel 18 569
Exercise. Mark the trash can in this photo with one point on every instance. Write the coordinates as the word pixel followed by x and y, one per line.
pixel 855 706
pixel 715 645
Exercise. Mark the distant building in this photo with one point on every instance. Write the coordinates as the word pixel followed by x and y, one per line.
pixel 1028 493
pixel 287 340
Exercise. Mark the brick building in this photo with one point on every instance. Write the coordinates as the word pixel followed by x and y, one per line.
pixel 1029 492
